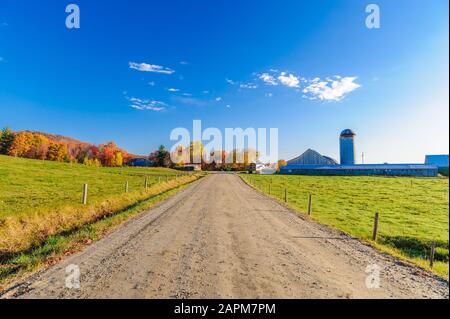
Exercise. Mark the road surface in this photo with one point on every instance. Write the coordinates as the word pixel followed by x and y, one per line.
pixel 219 238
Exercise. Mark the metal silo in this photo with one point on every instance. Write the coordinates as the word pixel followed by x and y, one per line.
pixel 347 147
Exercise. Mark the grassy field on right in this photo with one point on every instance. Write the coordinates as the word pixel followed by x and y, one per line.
pixel 414 212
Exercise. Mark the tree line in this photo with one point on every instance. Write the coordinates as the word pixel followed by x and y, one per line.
pixel 36 145
pixel 42 146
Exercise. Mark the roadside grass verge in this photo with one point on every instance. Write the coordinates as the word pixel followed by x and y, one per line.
pixel 55 247
pixel 414 212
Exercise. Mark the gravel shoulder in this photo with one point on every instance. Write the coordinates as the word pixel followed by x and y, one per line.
pixel 219 238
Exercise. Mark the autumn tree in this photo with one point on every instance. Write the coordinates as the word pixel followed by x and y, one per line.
pixel 21 144
pixel 281 163
pixel 58 152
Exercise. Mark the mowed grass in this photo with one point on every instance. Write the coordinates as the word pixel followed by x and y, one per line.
pixel 39 199
pixel 414 212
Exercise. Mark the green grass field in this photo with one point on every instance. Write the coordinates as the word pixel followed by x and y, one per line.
pixel 39 199
pixel 30 185
pixel 414 212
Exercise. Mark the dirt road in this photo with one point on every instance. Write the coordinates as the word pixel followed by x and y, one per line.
pixel 219 238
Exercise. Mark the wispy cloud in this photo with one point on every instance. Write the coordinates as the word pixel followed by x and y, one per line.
pixel 173 90
pixel 145 67
pixel 331 89
pixel 248 86
pixel 231 82
pixel 289 80
pixel 151 83
pixel 145 104
pixel 184 62
pixel 268 79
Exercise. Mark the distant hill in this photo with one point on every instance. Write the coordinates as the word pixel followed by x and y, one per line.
pixel 61 138
pixel 71 141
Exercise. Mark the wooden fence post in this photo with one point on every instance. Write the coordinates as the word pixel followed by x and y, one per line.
pixel 126 187
pixel 375 227
pixel 310 205
pixel 433 248
pixel 85 194
pixel 285 195
pixel 146 182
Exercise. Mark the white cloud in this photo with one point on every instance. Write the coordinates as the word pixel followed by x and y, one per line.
pixel 184 62
pixel 173 90
pixel 145 67
pixel 144 104
pixel 231 82
pixel 151 83
pixel 218 99
pixel 248 86
pixel 289 80
pixel 268 79
pixel 205 92
pixel 331 89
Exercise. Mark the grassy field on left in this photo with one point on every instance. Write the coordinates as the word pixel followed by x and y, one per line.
pixel 40 199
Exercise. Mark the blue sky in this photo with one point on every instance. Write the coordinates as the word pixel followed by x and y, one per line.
pixel 137 69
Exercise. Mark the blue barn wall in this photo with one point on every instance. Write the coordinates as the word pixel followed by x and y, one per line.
pixel 363 170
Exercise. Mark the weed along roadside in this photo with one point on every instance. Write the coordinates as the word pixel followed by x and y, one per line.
pixel 387 213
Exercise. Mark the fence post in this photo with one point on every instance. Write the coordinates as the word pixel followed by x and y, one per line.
pixel 146 182
pixel 285 195
pixel 85 193
pixel 126 187
pixel 159 179
pixel 375 227
pixel 433 248
pixel 310 205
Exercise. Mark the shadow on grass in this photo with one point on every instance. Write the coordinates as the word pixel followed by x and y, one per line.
pixel 415 248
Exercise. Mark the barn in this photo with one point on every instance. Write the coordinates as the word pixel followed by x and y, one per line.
pixel 312 162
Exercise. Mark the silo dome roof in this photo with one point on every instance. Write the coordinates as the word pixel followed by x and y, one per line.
pixel 347 133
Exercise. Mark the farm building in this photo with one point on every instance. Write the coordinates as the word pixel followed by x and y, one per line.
pixel 441 161
pixel 313 163
pixel 140 162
